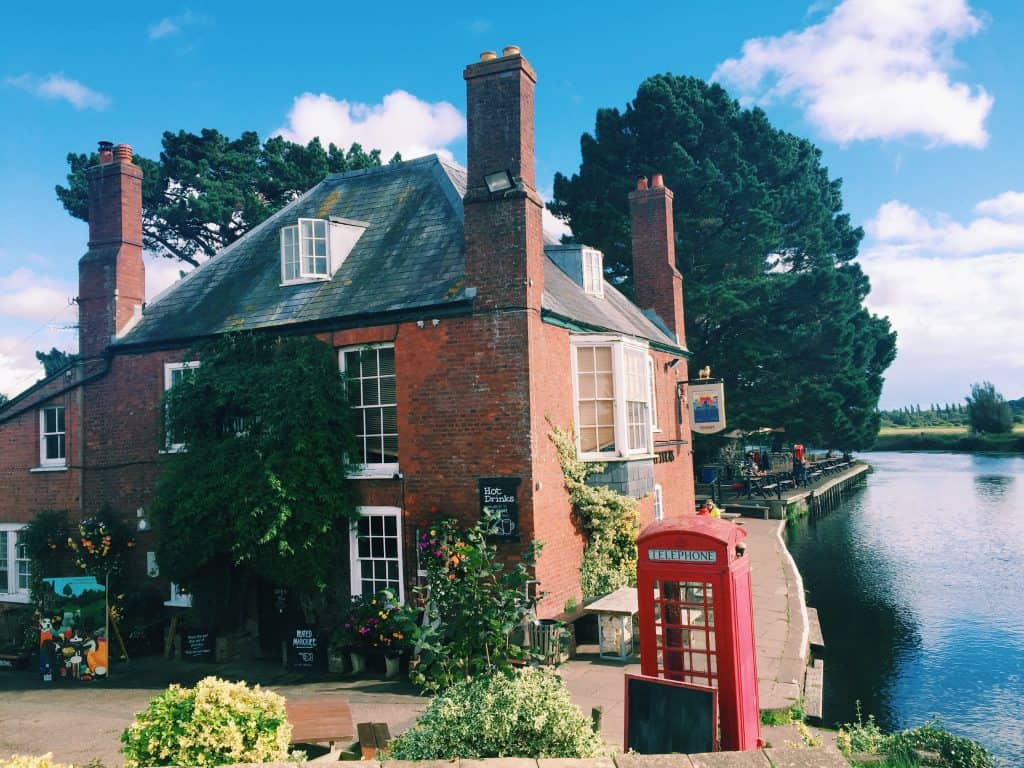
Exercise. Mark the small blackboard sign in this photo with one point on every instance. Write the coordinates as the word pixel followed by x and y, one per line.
pixel 665 716
pixel 306 648
pixel 498 499
pixel 198 645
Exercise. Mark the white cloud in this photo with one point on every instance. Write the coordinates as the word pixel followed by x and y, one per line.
pixel 162 273
pixel 26 295
pixel 18 367
pixel 898 223
pixel 873 69
pixel 172 25
pixel 401 122
pixel 952 291
pixel 1009 205
pixel 57 86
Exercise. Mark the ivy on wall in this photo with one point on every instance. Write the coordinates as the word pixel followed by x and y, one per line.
pixel 607 518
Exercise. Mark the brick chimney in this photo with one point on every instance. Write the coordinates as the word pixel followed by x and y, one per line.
pixel 657 283
pixel 504 241
pixel 111 275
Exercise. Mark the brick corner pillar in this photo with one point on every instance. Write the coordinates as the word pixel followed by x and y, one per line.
pixel 111 275
pixel 504 241
pixel 657 283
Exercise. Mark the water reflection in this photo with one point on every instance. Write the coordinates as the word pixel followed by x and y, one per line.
pixel 918 581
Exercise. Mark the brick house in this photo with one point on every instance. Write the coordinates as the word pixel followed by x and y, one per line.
pixel 463 333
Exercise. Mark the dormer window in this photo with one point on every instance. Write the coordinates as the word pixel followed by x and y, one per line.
pixel 593 272
pixel 313 249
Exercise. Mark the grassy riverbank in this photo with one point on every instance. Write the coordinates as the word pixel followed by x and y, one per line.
pixel 947 439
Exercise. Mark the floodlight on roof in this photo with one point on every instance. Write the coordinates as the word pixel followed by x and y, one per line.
pixel 499 181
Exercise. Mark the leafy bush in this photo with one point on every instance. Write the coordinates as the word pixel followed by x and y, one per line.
pixel 215 723
pixel 526 713
pixel 864 736
pixel 380 622
pixel 31 761
pixel 955 751
pixel 473 604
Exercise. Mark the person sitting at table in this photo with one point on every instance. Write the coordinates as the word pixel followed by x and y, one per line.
pixel 713 510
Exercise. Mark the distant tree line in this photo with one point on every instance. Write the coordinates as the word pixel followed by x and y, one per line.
pixel 984 410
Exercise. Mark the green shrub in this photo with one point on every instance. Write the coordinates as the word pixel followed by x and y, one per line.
pixel 861 735
pixel 31 761
pixel 526 713
pixel 955 751
pixel 215 723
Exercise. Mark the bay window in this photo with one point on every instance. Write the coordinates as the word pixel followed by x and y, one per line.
pixel 613 386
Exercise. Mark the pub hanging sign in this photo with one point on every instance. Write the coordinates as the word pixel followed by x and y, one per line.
pixel 707 408
pixel 498 499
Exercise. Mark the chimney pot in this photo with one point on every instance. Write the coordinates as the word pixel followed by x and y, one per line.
pixel 510 50
pixel 641 182
pixel 657 181
pixel 106 152
pixel 488 56
pixel 123 153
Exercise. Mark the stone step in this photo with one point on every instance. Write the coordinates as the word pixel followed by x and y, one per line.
pixel 814 685
pixel 815 637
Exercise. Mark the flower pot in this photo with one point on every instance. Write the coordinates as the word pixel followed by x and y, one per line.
pixel 358 662
pixel 338 663
pixel 392 666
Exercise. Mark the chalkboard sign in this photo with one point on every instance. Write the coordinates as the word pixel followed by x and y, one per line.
pixel 498 499
pixel 665 716
pixel 198 645
pixel 306 649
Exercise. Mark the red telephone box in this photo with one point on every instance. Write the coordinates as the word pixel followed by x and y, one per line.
pixel 697 617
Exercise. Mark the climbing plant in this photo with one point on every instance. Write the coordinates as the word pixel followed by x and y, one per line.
pixel 608 520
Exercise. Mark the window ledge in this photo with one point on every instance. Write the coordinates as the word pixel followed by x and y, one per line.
pixel 61 468
pixel 17 597
pixel 178 604
pixel 305 281
pixel 390 472
pixel 608 459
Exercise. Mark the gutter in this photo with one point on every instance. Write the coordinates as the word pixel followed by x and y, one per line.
pixel 572 324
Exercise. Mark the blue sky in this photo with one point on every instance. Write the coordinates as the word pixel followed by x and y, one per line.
pixel 916 104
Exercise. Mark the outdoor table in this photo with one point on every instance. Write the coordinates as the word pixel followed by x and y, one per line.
pixel 616 623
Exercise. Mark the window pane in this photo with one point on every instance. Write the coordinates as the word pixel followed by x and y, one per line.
pixel 371 391
pixel 587 387
pixel 588 439
pixel 588 414
pixel 390 449
pixel 585 359
pixel 376 547
pixel 49 420
pixel 603 358
pixel 372 423
pixel 352 364
pixel 307 228
pixel 605 410
pixel 53 447
pixel 606 439
pixel 390 526
pixel 387 361
pixel 319 228
pixel 387 390
pixel 370 367
pixel 605 386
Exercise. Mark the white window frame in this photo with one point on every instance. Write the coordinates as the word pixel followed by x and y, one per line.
pixel 593 272
pixel 355 562
pixel 169 369
pixel 653 394
pixel 383 469
pixel 61 461
pixel 659 503
pixel 618 345
pixel 290 265
pixel 11 591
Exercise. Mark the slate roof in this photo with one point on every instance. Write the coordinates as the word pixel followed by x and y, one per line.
pixel 409 258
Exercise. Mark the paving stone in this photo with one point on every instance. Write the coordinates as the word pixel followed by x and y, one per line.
pixel 583 762
pixel 633 760
pixel 818 757
pixel 498 762
pixel 422 764
pixel 731 760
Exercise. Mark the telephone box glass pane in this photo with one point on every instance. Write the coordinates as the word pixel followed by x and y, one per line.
pixel 684 620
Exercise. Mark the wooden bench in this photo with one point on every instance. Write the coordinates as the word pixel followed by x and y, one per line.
pixel 320 719
pixel 373 739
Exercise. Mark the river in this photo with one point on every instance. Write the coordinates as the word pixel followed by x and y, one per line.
pixel 918 579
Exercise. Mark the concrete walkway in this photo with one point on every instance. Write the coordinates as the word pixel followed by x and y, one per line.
pixel 81 723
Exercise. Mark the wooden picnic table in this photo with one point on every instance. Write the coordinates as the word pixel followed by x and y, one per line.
pixel 320 719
